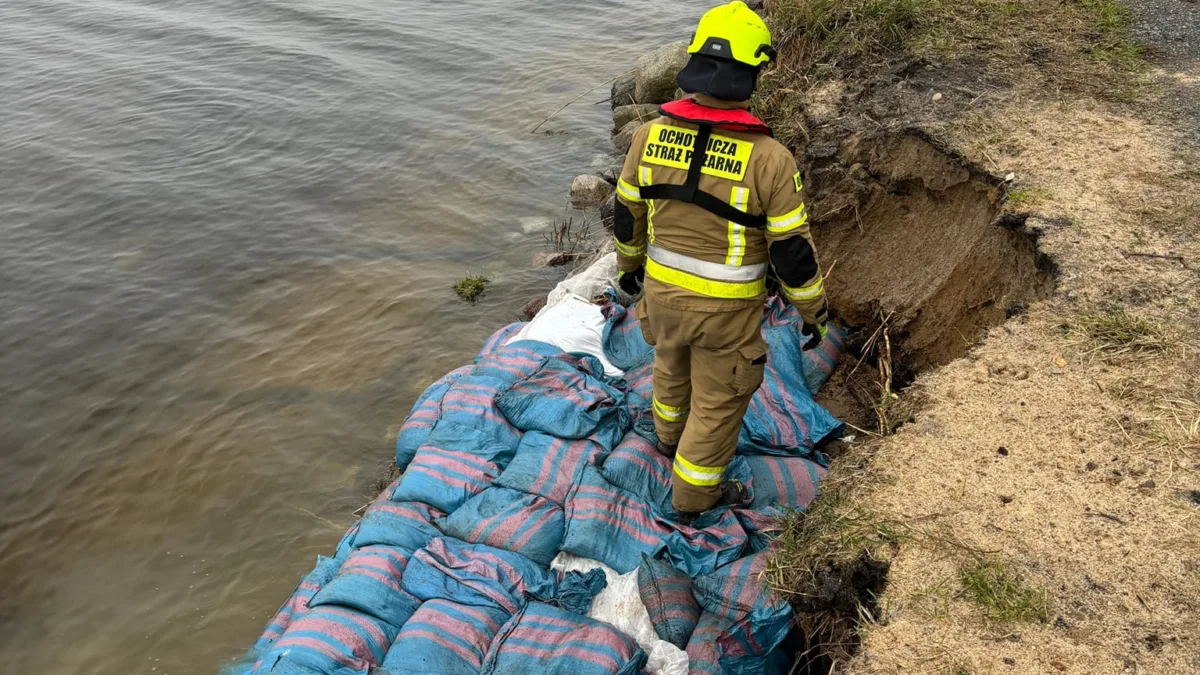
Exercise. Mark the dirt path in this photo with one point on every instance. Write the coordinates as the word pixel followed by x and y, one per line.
pixel 1040 509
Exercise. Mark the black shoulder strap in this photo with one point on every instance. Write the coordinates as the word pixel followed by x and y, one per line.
pixel 691 193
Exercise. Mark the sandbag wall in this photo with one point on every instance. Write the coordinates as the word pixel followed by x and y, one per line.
pixel 532 451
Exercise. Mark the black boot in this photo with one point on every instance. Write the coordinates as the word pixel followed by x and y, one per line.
pixel 665 450
pixel 686 518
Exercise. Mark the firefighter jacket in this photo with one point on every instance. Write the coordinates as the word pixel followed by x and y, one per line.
pixel 706 229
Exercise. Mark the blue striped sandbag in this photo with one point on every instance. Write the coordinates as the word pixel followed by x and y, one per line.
pixel 639 385
pixel 704 658
pixel 667 594
pixel 297 603
pixel 547 466
pixel 497 340
pixel 568 399
pixel 608 524
pixel 446 638
pixel 476 574
pixel 790 482
pixel 638 468
pixel 624 345
pixel 783 419
pixel 406 525
pixel 740 592
pixel 515 361
pixel 329 640
pixel 548 640
pixel 370 582
pixel 763 525
pixel 444 476
pixel 424 415
pixel 510 520
pixel 471 403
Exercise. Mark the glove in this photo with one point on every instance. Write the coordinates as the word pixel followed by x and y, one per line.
pixel 631 282
pixel 816 333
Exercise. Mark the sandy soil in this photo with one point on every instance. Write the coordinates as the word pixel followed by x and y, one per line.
pixel 1041 447
pixel 1076 467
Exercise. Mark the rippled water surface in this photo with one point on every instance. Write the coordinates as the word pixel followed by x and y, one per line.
pixel 227 234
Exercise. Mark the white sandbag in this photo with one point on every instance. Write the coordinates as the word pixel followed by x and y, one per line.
pixel 592 281
pixel 573 325
pixel 620 604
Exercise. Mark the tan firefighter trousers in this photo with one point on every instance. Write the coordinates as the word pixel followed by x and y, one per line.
pixel 707 366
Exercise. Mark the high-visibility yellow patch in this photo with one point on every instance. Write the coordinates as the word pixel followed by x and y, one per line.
pixel 672 146
pixel 799 183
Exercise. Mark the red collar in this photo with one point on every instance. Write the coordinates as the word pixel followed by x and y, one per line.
pixel 687 110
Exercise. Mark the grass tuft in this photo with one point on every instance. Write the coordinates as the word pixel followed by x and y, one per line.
pixel 1001 593
pixel 1023 197
pixel 1117 331
pixel 471 287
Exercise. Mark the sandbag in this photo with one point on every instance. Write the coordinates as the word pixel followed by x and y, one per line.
pixel 574 325
pixel 456 463
pixel 790 482
pixel 476 574
pixel 509 520
pixel 762 525
pixel 608 524
pixel 567 400
pixel 667 594
pixel 703 655
pixel 515 360
pixel 406 525
pixel 760 618
pixel 638 468
pixel 547 466
pixel 424 415
pixel 550 641
pixel 444 637
pixel 370 582
pixel 620 606
pixel 297 603
pixel 623 341
pixel 470 403
pixel 499 339
pixel 329 640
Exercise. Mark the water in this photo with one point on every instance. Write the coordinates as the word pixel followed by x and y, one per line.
pixel 227 234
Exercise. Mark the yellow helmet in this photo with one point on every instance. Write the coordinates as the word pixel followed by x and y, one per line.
pixel 733 32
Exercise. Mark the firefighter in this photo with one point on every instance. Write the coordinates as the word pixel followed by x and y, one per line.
pixel 707 202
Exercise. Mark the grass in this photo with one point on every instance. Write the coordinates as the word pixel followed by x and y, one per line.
pixel 1118 331
pixel 1000 592
pixel 1073 45
pixel 1029 196
pixel 471 287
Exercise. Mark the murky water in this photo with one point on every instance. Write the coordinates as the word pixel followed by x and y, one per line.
pixel 227 234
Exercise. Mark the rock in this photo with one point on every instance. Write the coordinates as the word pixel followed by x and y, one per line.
pixel 937 97
pixel 606 211
pixel 589 191
pixel 654 79
pixel 624 137
pixel 627 113
pixel 622 90
pixel 610 175
pixel 552 258
pixel 532 307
